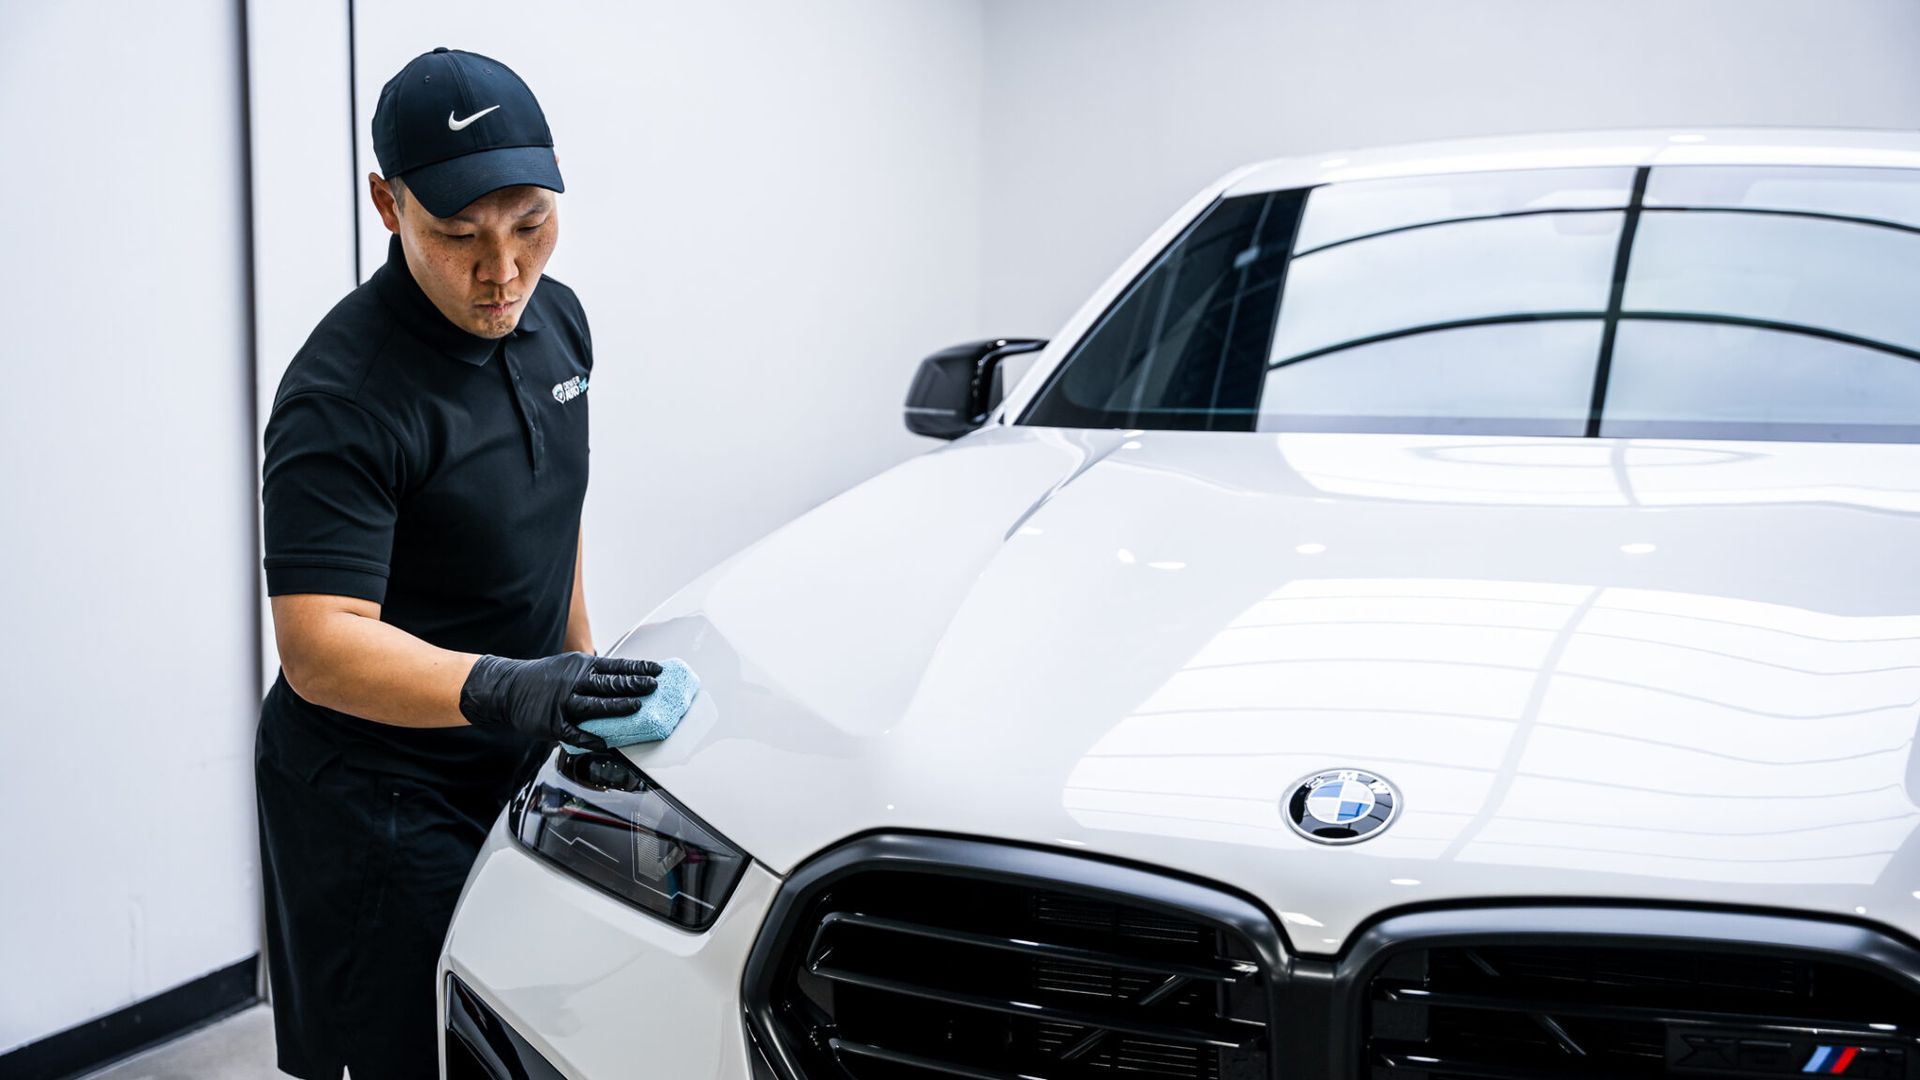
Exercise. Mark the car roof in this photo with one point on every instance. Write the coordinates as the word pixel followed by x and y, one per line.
pixel 1589 149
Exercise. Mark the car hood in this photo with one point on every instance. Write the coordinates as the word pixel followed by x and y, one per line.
pixel 1682 671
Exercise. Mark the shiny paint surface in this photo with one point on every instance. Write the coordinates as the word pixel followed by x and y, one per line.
pixel 1667 670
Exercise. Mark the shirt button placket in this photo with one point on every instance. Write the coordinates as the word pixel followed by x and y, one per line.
pixel 536 442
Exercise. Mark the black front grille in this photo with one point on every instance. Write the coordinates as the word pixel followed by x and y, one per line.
pixel 909 974
pixel 1513 1011
pixel 901 957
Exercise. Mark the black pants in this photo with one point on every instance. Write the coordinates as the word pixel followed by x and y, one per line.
pixel 361 870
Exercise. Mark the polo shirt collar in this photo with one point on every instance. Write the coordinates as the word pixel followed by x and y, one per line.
pixel 403 295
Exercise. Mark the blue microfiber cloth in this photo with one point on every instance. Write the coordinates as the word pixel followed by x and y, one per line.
pixel 660 712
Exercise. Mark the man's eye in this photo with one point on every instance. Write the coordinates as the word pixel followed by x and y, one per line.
pixel 458 236
pixel 532 228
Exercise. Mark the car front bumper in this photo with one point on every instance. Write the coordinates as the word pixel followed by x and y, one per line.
pixel 594 986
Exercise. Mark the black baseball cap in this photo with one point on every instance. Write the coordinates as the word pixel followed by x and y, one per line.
pixel 456 125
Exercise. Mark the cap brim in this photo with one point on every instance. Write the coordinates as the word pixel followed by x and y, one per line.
pixel 447 187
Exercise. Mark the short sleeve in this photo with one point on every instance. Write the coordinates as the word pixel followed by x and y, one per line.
pixel 330 484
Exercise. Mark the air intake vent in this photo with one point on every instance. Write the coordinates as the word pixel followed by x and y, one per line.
pixel 1521 1011
pixel 892 973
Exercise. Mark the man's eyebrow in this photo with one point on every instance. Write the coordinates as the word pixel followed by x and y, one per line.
pixel 535 209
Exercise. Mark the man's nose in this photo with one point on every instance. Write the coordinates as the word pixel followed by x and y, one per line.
pixel 498 266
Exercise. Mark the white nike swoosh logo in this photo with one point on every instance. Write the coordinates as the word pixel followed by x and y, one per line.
pixel 459 125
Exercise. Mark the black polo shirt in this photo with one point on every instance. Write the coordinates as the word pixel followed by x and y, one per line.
pixel 439 475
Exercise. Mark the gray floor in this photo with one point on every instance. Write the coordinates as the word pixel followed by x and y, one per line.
pixel 237 1048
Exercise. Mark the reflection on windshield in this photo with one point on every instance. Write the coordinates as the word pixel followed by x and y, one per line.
pixel 1806 273
pixel 1498 267
pixel 1343 212
pixel 1767 321
pixel 1888 196
pixel 1681 301
pixel 1458 380
pixel 1668 375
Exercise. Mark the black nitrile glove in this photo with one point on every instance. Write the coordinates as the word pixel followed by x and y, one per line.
pixel 548 698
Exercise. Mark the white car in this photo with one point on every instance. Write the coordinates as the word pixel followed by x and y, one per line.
pixel 1447 611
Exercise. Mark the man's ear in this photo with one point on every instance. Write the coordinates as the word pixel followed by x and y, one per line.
pixel 383 202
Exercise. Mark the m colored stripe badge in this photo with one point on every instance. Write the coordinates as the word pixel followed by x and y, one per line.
pixel 1830 1060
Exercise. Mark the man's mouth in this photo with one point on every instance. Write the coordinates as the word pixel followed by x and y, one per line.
pixel 498 309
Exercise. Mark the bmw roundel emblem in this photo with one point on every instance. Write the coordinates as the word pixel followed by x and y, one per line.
pixel 1341 806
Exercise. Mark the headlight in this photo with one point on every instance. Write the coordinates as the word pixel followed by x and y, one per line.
pixel 602 819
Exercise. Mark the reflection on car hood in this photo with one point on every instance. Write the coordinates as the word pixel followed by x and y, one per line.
pixel 1678 670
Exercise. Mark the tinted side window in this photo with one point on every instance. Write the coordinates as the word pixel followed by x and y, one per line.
pixel 1186 346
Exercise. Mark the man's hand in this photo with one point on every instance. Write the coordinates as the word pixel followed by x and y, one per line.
pixel 547 698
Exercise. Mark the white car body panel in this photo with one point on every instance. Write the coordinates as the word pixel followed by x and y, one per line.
pixel 1664 669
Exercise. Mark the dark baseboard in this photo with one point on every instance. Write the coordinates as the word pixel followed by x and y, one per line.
pixel 101 1042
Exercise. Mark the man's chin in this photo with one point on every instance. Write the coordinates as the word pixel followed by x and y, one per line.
pixel 494 326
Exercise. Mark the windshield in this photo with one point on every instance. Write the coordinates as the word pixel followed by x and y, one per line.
pixel 1685 301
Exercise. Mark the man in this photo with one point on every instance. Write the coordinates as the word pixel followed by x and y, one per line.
pixel 426 459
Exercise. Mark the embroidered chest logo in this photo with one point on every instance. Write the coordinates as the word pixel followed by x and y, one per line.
pixel 569 389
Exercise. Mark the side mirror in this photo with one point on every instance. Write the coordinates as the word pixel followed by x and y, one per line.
pixel 955 388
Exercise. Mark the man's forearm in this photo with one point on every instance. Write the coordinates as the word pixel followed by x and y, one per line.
pixel 361 666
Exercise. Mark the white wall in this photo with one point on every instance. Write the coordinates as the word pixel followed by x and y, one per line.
pixel 1103 116
pixel 126 563
pixel 772 213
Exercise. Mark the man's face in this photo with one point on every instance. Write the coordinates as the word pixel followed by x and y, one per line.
pixel 479 267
